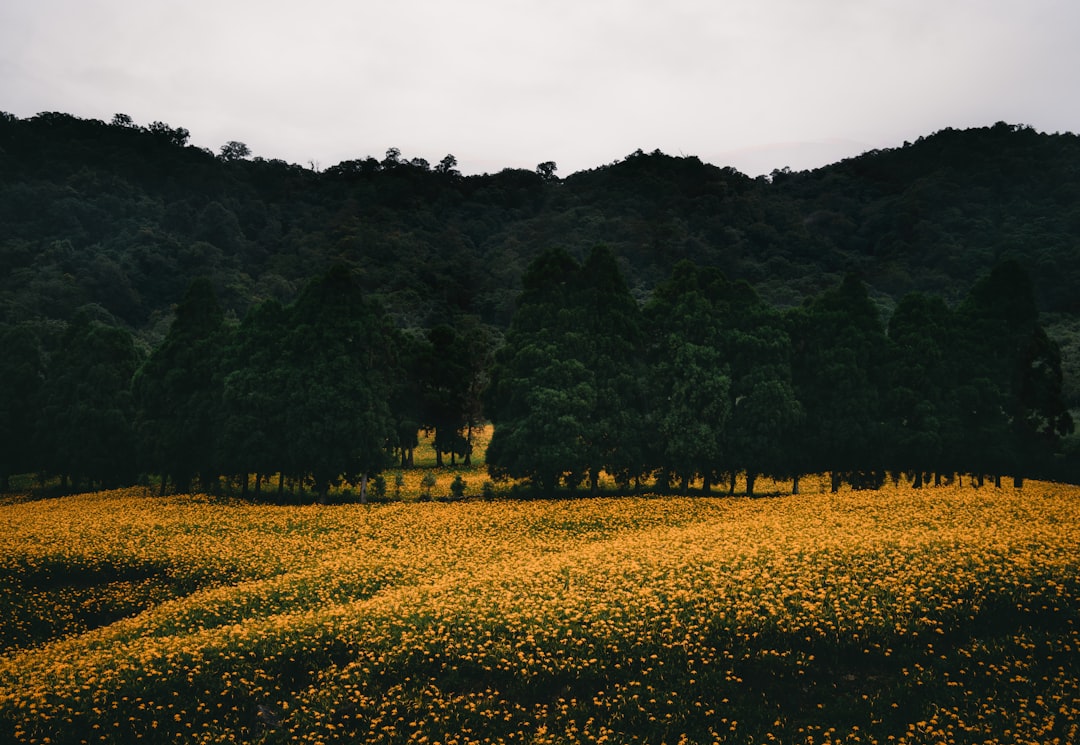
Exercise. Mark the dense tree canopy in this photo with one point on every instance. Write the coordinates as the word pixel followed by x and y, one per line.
pixel 847 319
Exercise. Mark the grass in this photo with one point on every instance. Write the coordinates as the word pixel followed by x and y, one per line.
pixel 900 616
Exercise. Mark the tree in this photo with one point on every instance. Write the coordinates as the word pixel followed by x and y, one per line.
pixel 21 375
pixel 233 150
pixel 254 436
pixel 766 414
pixel 339 374
pixel 444 377
pixel 87 424
pixel 547 170
pixel 689 383
pixel 178 392
pixel 540 393
pixel 837 367
pixel 539 409
pixel 921 410
pixel 609 339
pixel 1015 368
pixel 448 166
pixel 451 366
pixel 177 137
pixel 566 387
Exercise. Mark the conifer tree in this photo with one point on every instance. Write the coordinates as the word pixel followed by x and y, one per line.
pixel 838 363
pixel 87 427
pixel 337 408
pixel 21 373
pixel 178 393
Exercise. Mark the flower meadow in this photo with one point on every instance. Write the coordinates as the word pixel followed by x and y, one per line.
pixel 940 615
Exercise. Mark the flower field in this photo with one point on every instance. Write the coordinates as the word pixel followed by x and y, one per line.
pixel 941 615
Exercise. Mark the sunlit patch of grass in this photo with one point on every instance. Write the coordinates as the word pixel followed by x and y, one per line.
pixel 903 616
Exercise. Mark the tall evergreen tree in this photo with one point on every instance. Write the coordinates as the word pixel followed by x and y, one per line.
pixel 689 382
pixel 540 393
pixel 922 412
pixel 761 433
pixel 1016 370
pixel 339 382
pixel 178 393
pixel 839 351
pixel 609 340
pixel 444 375
pixel 254 437
pixel 87 425
pixel 21 375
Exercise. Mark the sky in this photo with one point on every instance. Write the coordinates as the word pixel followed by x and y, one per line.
pixel 752 84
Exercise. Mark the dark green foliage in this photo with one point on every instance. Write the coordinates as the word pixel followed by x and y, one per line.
pixel 690 380
pixel 1016 371
pixel 338 372
pixel 21 375
pixel 254 392
pixel 566 395
pixel 86 428
pixel 127 216
pixel 839 349
pixel 178 393
pixel 922 407
pixel 710 380
pixel 447 367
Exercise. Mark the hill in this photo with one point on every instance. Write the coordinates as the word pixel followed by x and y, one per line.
pixel 118 219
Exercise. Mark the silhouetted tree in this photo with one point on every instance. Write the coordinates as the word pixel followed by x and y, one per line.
pixel 178 393
pixel 87 424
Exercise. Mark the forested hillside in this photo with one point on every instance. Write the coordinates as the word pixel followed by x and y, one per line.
pixel 105 227
pixel 124 217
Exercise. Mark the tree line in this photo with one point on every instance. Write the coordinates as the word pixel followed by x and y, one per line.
pixel 703 381
pixel 322 391
pixel 706 381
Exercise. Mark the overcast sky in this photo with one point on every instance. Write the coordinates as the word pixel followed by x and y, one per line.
pixel 754 84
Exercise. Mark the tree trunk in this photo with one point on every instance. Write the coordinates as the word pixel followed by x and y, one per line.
pixel 836 479
pixel 706 483
pixel 997 480
pixel 594 481
pixel 161 491
pixel 468 445
pixel 1018 482
pixel 281 487
pixel 324 492
pixel 243 486
pixel 795 485
pixel 363 489
pixel 258 484
pixel 731 488
pixel 917 482
pixel 750 479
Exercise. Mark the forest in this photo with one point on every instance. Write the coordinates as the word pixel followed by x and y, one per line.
pixel 167 310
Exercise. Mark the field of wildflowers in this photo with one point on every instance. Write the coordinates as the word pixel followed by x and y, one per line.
pixel 941 615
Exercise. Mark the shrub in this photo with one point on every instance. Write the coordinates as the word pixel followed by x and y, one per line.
pixel 426 485
pixel 457 487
